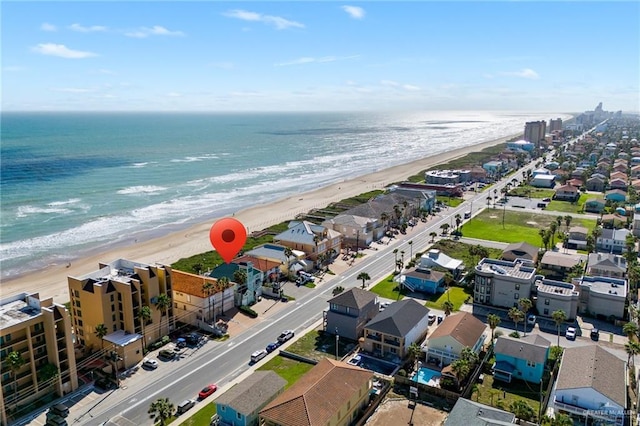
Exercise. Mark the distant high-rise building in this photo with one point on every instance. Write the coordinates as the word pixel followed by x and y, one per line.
pixel 555 124
pixel 534 131
pixel 39 331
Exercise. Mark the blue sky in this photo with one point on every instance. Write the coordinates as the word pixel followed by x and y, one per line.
pixel 309 56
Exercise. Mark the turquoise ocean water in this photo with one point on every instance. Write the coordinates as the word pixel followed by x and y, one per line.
pixel 73 182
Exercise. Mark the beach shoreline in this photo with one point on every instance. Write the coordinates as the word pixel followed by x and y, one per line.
pixel 51 281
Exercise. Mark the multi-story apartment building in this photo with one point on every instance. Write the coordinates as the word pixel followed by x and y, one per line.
pixel 602 297
pixel 556 295
pixel 40 331
pixel 534 131
pixel 114 295
pixel 503 283
pixel 555 124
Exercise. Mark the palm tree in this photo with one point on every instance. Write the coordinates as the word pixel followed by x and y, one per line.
pixel 447 307
pixel 460 369
pixel 559 317
pixel 364 277
pixel 445 228
pixel 15 363
pixel 163 302
pixel 542 233
pixel 433 235
pixel 207 287
pixel 458 221
pixel 414 351
pixel 559 220
pixel 101 331
pixel 223 284
pixel 522 410
pixel 631 330
pixel 161 410
pixel 525 304
pixel 633 349
pixel 489 198
pixel 145 316
pixel 384 218
pixel 516 316
pixel 493 320
pixel 561 420
pixel 469 355
pixel 553 227
pixel 395 255
pixel 567 221
pixel 288 253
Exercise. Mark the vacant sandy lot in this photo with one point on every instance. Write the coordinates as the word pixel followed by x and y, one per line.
pixel 398 412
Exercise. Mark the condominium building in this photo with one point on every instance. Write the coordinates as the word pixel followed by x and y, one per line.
pixel 556 296
pixel 114 295
pixel 602 297
pixel 555 124
pixel 40 331
pixel 503 283
pixel 534 131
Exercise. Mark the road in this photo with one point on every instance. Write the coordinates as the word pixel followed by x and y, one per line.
pixel 222 362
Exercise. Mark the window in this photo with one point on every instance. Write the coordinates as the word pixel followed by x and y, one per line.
pixel 76 293
pixel 113 308
pixel 546 302
pixel 223 408
pixel 517 286
pixel 531 364
pixel 546 312
pixel 239 416
pixel 79 312
pixel 79 323
pixel 77 303
pixel 114 327
pixel 516 296
pixel 81 332
pixel 111 298
pixel 119 297
pixel 175 305
pixel 113 317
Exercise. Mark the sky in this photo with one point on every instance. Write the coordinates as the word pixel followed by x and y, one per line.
pixel 320 56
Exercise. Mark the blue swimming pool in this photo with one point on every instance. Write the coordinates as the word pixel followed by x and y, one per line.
pixel 426 376
pixel 376 365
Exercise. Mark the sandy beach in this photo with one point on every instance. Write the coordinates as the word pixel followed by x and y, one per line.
pixel 52 281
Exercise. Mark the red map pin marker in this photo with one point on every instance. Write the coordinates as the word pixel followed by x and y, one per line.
pixel 228 236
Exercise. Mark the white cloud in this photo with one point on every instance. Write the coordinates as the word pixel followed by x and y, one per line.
pixel 410 87
pixel 354 11
pixel 145 32
pixel 174 94
pixel 311 60
pixel 82 29
pixel 61 51
pixel 523 73
pixel 108 72
pixel 71 90
pixel 277 21
pixel 14 68
pixel 48 27
pixel 389 83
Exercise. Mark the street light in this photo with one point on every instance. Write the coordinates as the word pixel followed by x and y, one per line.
pixel 337 339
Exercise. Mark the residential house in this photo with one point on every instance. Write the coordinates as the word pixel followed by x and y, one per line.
pixel 244 293
pixel 556 296
pixel 331 393
pixel 540 171
pixel 478 174
pixel 618 184
pixel 520 251
pixel 266 273
pixel 575 182
pixel 594 205
pixel 607 265
pixel 397 206
pixel 558 264
pixel 635 170
pixel 618 175
pixel 113 296
pixel 392 331
pixel 612 240
pixel 636 225
pixel 199 300
pixel 596 184
pixel 552 165
pixel 471 413
pixel 602 297
pixel 445 344
pixel 577 238
pixel 241 404
pixel 620 168
pixel 494 168
pixel 502 283
pixel 314 240
pixel 435 258
pixel 356 230
pixel 350 311
pixel 635 184
pixel 276 253
pixel 567 193
pixel 423 280
pixel 591 384
pixel 423 195
pixel 612 221
pixel 520 358
pixel 543 181
pixel 40 331
pixel 616 196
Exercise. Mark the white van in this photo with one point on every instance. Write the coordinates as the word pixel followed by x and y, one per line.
pixel 184 406
pixel 258 355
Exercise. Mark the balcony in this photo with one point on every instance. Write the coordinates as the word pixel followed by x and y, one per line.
pixel 602 414
pixel 375 337
pixel 392 342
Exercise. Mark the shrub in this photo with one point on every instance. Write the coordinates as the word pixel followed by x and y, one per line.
pixel 402 372
pixel 514 334
pixel 248 311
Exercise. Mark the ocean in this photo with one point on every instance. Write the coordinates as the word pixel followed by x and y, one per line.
pixel 78 182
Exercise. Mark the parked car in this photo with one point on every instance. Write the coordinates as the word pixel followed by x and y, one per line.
pixel 166 354
pixel 595 334
pixel 104 384
pixel 185 406
pixel 570 334
pixel 193 338
pixel 531 320
pixel 432 318
pixel 181 342
pixel 546 200
pixel 440 319
pixel 150 363
pixel 55 420
pixel 272 347
pixel 258 355
pixel 285 335
pixel 59 410
pixel 207 391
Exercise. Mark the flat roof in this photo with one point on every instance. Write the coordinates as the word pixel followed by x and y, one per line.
pixel 18 308
pixel 556 287
pixel 122 338
pixel 516 269
pixel 605 285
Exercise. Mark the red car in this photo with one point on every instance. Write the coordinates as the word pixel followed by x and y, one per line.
pixel 207 391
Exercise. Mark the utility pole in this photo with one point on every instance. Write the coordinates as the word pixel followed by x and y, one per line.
pixel 337 340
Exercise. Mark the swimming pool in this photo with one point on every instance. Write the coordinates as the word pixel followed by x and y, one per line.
pixel 427 376
pixel 376 365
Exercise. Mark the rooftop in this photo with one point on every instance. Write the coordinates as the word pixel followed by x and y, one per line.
pixel 565 260
pixel 120 270
pixel 519 268
pixel 122 338
pixel 556 287
pixel 463 327
pixel 17 309
pixel 605 285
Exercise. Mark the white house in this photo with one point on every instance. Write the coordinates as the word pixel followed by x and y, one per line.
pixel 459 331
pixel 612 241
pixel 592 383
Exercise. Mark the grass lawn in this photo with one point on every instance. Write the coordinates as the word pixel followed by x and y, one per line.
pixel 458 250
pixel 286 368
pixel 567 207
pixel 203 416
pixel 457 296
pixel 449 201
pixel 317 345
pixel 518 226
pixel 388 289
pixel 497 393
pixel 532 192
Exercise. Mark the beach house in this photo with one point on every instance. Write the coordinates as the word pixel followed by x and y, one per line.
pixel 607 265
pixel 349 312
pixel 357 231
pixel 423 280
pixel 314 240
pixel 445 344
pixel 520 250
pixel 435 258
pixel 521 358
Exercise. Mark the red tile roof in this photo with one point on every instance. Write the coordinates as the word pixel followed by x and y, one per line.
pixel 263 265
pixel 185 282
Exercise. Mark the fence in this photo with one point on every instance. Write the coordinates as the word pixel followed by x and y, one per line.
pixel 450 396
pixel 373 406
pixel 466 393
pixel 297 357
